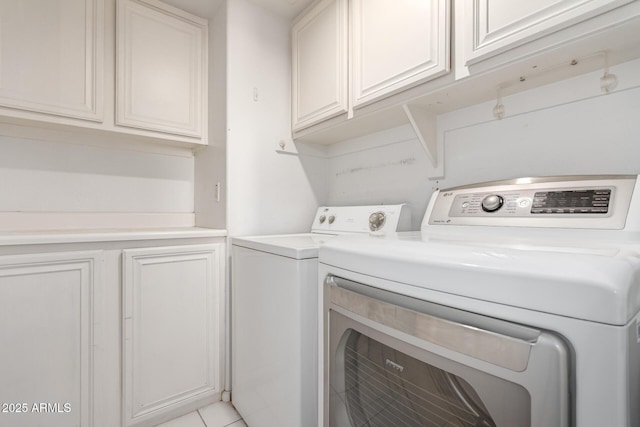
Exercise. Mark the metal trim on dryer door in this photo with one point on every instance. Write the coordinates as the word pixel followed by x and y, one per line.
pixel 394 359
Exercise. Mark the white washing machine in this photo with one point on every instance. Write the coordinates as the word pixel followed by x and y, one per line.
pixel 517 304
pixel 275 310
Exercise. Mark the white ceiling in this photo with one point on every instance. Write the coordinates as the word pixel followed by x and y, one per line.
pixel 207 8
pixel 287 8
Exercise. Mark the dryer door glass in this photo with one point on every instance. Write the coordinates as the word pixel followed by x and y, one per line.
pixel 397 361
pixel 386 387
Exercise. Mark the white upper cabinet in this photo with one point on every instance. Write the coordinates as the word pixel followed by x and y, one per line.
pixel 400 52
pixel 396 46
pixel 51 57
pixel 350 53
pixel 488 28
pixel 161 68
pixel 125 72
pixel 319 41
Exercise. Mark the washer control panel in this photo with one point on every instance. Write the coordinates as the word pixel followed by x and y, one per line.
pixel 568 202
pixel 362 219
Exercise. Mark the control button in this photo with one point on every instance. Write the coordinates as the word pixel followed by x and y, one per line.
pixel 331 219
pixel 492 203
pixel 322 219
pixel 377 220
pixel 523 203
pixel 465 205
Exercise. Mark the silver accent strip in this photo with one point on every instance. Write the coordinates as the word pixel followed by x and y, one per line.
pixel 501 350
pixel 539 179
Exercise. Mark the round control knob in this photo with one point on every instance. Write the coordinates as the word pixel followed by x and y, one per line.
pixel 492 203
pixel 377 220
pixel 331 219
pixel 322 219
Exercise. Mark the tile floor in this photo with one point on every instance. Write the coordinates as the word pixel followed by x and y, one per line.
pixel 220 414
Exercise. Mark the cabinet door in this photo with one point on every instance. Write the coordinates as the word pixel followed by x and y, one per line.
pixel 319 41
pixel 171 330
pixel 46 331
pixel 397 46
pixel 161 68
pixel 490 27
pixel 51 57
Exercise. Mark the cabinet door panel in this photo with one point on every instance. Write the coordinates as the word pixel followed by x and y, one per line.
pixel 170 305
pixel 51 57
pixel 319 43
pixel 397 47
pixel 498 25
pixel 161 80
pixel 46 313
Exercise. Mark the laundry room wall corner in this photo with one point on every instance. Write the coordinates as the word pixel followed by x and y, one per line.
pixel 384 168
pixel 268 193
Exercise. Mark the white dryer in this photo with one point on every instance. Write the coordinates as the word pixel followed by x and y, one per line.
pixel 518 304
pixel 275 310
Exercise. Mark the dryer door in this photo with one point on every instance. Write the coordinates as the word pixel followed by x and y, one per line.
pixel 394 360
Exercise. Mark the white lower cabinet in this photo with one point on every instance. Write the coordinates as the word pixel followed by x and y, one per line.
pixel 170 330
pixel 110 334
pixel 47 320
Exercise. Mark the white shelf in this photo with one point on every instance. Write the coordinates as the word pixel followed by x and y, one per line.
pixel 113 235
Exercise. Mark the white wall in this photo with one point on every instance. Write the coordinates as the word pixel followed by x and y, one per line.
pixel 569 127
pixel 210 162
pixel 385 168
pixel 268 193
pixel 42 176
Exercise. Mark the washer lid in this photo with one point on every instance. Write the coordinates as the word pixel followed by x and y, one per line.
pixel 296 246
pixel 583 279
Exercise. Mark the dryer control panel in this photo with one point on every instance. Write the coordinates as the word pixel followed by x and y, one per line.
pixel 568 202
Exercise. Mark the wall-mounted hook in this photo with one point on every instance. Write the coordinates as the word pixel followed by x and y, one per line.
pixel 498 110
pixel 608 81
